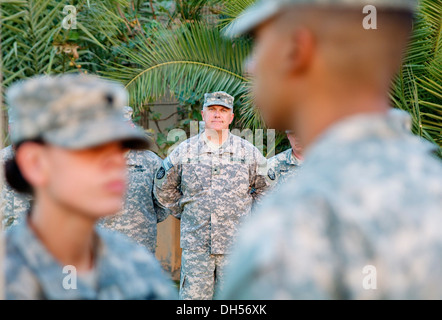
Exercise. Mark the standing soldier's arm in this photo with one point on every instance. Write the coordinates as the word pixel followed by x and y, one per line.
pixel 161 212
pixel 260 176
pixel 167 185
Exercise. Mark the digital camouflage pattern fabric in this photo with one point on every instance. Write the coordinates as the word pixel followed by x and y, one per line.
pixel 125 271
pixel 141 213
pixel 365 216
pixel 73 111
pixel 14 205
pixel 219 98
pixel 198 267
pixel 211 189
pixel 263 10
pixel 285 165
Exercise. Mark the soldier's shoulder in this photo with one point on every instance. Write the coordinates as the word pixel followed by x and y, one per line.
pixel 125 248
pixel 193 139
pixel 244 143
pixel 137 265
pixel 21 282
pixel 184 146
pixel 6 153
pixel 279 157
pixel 152 156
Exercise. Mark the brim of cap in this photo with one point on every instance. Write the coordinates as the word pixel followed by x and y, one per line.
pixel 218 104
pixel 95 133
pixel 260 12
pixel 252 17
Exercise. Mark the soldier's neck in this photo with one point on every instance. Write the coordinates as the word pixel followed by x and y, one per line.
pixel 68 237
pixel 297 155
pixel 318 115
pixel 217 137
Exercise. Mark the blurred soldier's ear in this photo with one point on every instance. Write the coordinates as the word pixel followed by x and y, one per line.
pixel 301 46
pixel 32 163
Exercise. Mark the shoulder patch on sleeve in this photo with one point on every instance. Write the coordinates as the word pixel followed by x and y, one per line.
pixel 161 173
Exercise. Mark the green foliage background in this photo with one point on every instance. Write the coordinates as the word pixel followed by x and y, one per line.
pixel 161 48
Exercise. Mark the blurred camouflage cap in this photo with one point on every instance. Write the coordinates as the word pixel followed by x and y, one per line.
pixel 71 111
pixel 263 10
pixel 219 98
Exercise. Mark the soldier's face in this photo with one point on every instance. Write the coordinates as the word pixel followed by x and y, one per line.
pixel 270 75
pixel 90 181
pixel 217 118
pixel 294 143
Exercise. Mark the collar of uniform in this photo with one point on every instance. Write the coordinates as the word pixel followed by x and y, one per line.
pixel 291 159
pixel 205 146
pixel 131 157
pixel 392 124
pixel 50 272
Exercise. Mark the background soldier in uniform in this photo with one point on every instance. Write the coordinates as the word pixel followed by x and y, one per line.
pixel 71 139
pixel 14 205
pixel 209 182
pixel 361 220
pixel 285 164
pixel 141 213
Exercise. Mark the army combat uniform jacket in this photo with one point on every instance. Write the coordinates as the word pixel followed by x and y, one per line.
pixel 285 165
pixel 141 213
pixel 211 189
pixel 123 271
pixel 14 205
pixel 360 221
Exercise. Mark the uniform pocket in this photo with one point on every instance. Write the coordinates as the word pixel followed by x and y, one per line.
pixel 195 177
pixel 237 178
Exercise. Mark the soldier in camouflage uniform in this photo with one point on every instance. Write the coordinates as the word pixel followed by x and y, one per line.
pixel 71 139
pixel 361 220
pixel 209 182
pixel 14 205
pixel 141 213
pixel 285 164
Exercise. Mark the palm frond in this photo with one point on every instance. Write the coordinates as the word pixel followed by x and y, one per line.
pixel 188 61
pixel 233 9
pixel 417 88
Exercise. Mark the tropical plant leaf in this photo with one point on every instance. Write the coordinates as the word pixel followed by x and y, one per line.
pixel 187 61
pixel 233 9
pixel 418 87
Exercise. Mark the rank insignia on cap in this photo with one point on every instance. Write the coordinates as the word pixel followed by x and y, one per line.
pixel 271 174
pixel 161 173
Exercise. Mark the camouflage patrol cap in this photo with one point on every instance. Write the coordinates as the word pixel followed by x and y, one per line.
pixel 71 111
pixel 219 98
pixel 263 10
